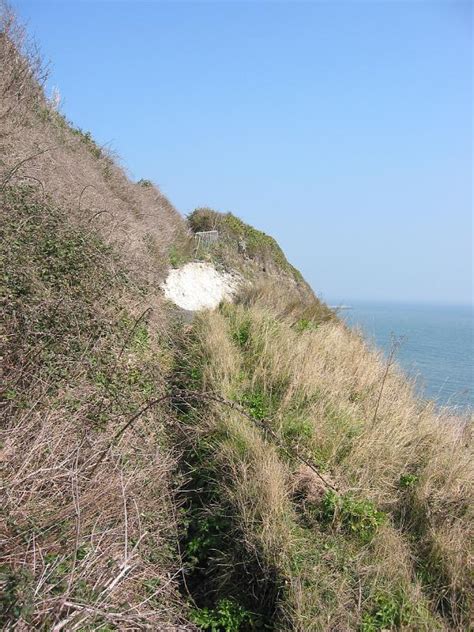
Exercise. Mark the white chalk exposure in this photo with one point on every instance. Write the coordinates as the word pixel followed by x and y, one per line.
pixel 198 286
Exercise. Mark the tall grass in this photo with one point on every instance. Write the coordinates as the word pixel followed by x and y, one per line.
pixel 389 548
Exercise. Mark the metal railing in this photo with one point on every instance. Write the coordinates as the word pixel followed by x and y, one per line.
pixel 206 238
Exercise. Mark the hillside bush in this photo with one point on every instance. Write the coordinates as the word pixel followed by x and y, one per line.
pixel 86 524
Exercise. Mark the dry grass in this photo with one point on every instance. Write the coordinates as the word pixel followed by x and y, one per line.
pixel 88 524
pixel 320 387
pixel 22 76
pixel 84 546
pixel 40 147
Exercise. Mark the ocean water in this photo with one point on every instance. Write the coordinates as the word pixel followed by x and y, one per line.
pixel 436 345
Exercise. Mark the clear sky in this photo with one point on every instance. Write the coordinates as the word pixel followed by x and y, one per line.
pixel 344 129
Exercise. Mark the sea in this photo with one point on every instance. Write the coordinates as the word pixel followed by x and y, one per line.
pixel 435 344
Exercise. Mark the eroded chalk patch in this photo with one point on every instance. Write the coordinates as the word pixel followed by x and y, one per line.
pixel 198 286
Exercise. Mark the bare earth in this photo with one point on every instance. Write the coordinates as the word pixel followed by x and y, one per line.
pixel 198 286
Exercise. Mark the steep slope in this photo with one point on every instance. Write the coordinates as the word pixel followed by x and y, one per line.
pixel 41 148
pixel 88 519
pixel 346 501
pixel 88 515
pixel 256 467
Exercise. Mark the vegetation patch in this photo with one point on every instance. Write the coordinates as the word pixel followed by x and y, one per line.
pixel 355 516
pixel 78 364
pixel 242 239
pixel 226 616
pixel 408 481
pixel 389 612
pixel 180 254
pixel 305 324
pixel 258 403
pixel 146 184
pixel 241 334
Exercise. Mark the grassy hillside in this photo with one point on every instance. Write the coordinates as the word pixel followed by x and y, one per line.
pixel 348 498
pixel 41 148
pixel 257 468
pixel 87 514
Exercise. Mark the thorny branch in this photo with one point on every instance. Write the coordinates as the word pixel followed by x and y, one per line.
pixel 186 397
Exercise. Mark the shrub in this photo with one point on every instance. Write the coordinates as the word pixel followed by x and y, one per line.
pixel 408 481
pixel 390 611
pixel 355 516
pixel 146 184
pixel 259 246
pixel 227 616
pixel 241 334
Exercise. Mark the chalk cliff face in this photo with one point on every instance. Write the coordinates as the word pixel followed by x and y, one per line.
pixel 256 466
pixel 197 286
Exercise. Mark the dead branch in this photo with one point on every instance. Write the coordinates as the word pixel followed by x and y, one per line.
pixel 186 397
pixel 18 165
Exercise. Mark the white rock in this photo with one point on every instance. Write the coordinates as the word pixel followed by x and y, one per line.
pixel 198 286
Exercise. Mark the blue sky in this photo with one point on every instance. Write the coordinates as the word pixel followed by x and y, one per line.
pixel 344 129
